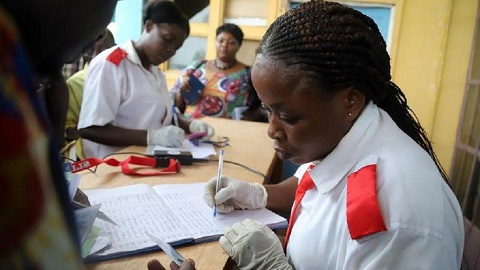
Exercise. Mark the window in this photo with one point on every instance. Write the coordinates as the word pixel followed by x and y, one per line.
pixel 465 170
pixel 193 48
pixel 252 16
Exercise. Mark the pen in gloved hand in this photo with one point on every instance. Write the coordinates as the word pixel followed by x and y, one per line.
pixel 175 115
pixel 219 177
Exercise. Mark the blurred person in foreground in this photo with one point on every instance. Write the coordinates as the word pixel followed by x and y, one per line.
pixel 37 229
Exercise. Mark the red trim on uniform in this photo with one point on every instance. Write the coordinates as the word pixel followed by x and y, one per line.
pixel 116 56
pixel 363 212
pixel 305 184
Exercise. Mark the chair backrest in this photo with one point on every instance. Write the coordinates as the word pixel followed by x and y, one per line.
pixel 471 252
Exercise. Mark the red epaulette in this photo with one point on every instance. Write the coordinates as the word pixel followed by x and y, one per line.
pixel 116 56
pixel 363 212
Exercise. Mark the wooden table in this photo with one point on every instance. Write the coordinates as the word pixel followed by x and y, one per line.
pixel 249 145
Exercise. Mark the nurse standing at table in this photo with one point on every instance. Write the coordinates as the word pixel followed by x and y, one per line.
pixel 126 100
pixel 371 194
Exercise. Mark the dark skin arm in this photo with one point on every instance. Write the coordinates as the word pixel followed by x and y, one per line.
pixel 71 134
pixel 114 136
pixel 282 195
pixel 184 122
pixel 117 136
pixel 180 102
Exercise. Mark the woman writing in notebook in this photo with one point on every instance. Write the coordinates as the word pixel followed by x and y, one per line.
pixel 371 193
pixel 227 82
pixel 126 100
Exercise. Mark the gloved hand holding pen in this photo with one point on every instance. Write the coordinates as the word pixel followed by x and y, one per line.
pixel 234 194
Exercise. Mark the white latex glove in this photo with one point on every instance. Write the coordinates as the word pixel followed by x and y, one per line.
pixel 234 194
pixel 253 245
pixel 200 126
pixel 170 136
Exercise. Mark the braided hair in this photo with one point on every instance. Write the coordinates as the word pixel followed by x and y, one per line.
pixel 339 47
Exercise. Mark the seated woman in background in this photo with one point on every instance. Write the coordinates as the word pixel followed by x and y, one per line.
pixel 125 97
pixel 228 91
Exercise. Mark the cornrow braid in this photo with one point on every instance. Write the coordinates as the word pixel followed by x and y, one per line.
pixel 340 47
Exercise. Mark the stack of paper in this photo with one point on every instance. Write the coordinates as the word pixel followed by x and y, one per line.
pixel 84 219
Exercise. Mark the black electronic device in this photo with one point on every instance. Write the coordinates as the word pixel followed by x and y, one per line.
pixel 184 157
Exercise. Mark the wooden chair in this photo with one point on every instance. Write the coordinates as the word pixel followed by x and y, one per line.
pixel 471 252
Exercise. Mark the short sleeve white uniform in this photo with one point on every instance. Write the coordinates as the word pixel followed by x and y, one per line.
pixel 422 215
pixel 125 95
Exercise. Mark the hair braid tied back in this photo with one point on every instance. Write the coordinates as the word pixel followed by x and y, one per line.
pixel 340 47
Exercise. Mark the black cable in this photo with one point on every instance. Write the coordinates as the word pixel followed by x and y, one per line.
pixel 196 160
pixel 127 153
pixel 73 160
pixel 244 166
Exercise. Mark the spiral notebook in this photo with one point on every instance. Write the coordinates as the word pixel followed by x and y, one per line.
pixel 175 213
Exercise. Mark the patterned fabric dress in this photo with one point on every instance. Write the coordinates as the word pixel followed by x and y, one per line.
pixel 33 229
pixel 223 91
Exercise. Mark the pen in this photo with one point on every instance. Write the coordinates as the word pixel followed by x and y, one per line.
pixel 175 115
pixel 167 248
pixel 219 177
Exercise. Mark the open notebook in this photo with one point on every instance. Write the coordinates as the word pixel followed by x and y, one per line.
pixel 175 213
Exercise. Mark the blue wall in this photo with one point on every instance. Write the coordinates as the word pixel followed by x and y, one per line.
pixel 379 13
pixel 128 20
